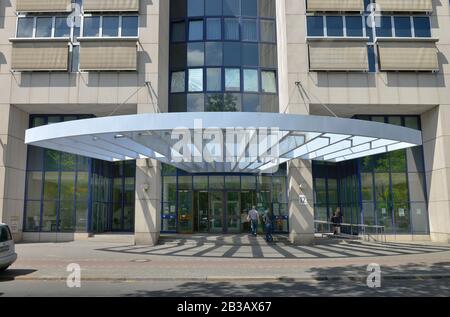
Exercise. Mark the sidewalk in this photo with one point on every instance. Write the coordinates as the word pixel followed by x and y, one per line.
pixel 212 260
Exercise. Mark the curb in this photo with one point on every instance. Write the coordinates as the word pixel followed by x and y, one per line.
pixel 229 279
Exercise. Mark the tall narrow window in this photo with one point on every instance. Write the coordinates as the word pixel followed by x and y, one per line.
pixel 25 27
pixel 44 27
pixel 195 80
pixel 178 82
pixel 268 81
pixel 232 79
pixel 110 26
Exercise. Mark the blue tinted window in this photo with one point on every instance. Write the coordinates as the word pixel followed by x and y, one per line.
pixel 61 27
pixel 213 7
pixel 250 8
pixel 232 54
pixel 91 26
pixel 213 29
pixel 196 30
pixel 231 29
pixel 402 26
pixel 195 8
pixel 354 26
pixel 315 26
pixel 422 27
pixel 25 27
pixel 231 7
pixel 44 27
pixel 335 26
pixel 110 26
pixel 130 26
pixel 249 30
pixel 384 27
pixel 178 32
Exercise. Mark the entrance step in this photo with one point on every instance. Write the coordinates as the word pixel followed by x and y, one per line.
pixel 127 238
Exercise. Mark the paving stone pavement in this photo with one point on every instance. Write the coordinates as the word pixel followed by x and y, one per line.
pixel 216 257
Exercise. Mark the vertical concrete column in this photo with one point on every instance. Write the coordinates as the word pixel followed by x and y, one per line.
pixel 148 196
pixel 148 202
pixel 13 153
pixel 436 138
pixel 301 216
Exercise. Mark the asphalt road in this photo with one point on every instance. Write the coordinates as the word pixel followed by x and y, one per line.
pixel 179 288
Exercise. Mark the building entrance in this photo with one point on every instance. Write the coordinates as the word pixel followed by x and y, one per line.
pixel 219 211
pixel 220 203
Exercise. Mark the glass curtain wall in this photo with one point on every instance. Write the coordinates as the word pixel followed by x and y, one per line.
pixel 223 56
pixel 70 193
pixel 234 194
pixel 387 189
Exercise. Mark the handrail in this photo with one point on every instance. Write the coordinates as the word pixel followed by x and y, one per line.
pixel 380 230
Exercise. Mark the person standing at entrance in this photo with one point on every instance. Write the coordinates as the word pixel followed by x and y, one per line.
pixel 253 216
pixel 267 218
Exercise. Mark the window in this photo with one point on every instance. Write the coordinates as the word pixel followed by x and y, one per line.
pixel 335 26
pixel 251 83
pixel 213 53
pixel 91 26
pixel 44 27
pixel 195 8
pixel 213 7
pixel 354 26
pixel 268 81
pixel 268 32
pixel 231 29
pixel 232 79
pixel 130 25
pixel 402 26
pixel 195 54
pixel 178 32
pixel 61 27
pixel 315 26
pixel 249 8
pixel 178 82
pixel 213 29
pixel 196 30
pixel 214 79
pixel 385 27
pixel 249 31
pixel 195 80
pixel 25 27
pixel 231 7
pixel 232 54
pixel 110 26
pixel 422 27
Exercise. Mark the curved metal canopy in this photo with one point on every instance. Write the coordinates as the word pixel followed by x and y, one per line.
pixel 222 141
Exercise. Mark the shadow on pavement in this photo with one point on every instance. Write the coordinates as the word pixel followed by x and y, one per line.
pixel 10 275
pixel 405 280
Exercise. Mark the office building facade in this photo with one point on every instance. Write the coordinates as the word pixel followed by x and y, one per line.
pixel 378 64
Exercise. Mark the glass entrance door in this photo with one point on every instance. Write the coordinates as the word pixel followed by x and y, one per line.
pixel 216 212
pixel 201 211
pixel 233 214
pixel 185 214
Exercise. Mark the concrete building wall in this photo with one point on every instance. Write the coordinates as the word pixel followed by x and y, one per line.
pixel 98 93
pixel 346 94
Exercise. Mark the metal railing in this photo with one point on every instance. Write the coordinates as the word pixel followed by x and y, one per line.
pixel 362 230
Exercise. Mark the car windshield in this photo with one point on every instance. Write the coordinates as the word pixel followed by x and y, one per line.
pixel 5 235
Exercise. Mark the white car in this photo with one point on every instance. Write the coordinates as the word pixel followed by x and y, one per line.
pixel 7 252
